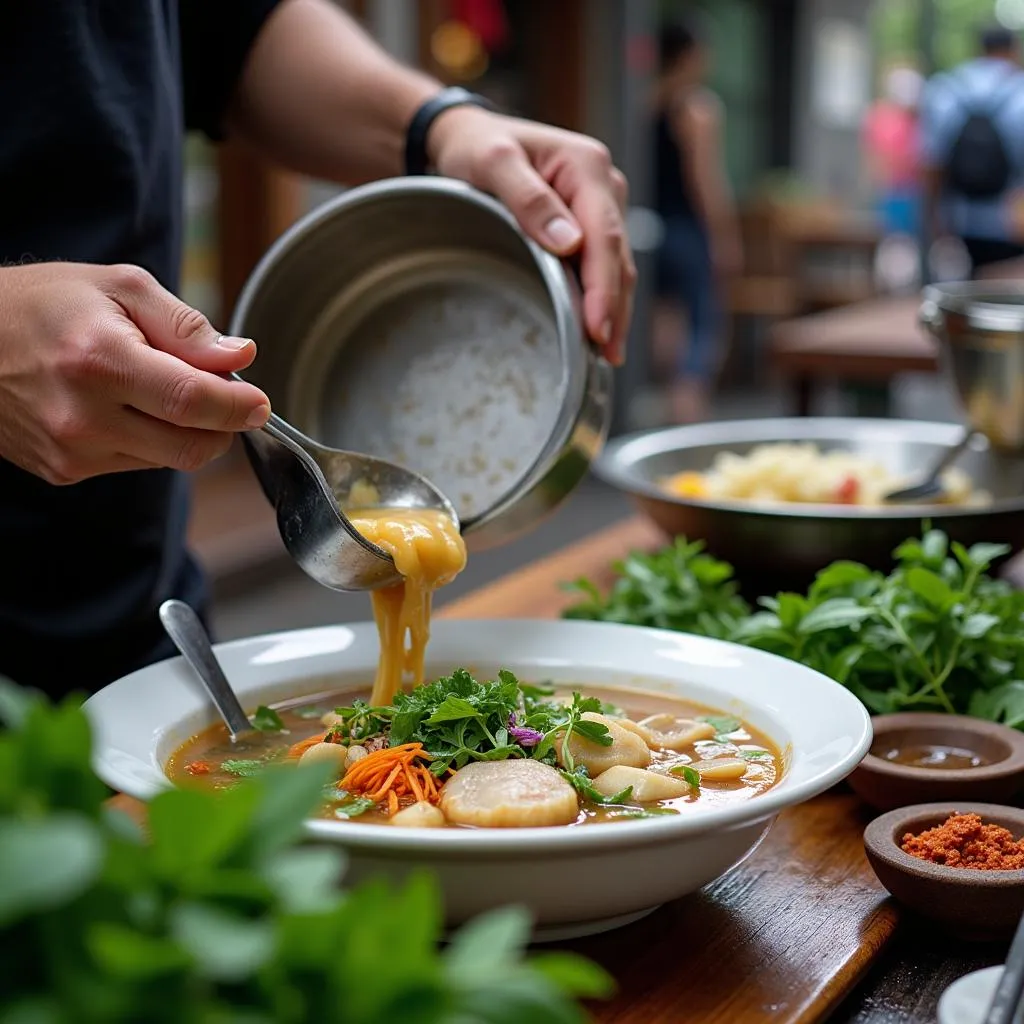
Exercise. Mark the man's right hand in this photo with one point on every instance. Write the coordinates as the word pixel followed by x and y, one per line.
pixel 102 370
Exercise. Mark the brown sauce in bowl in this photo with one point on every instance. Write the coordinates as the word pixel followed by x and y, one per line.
pixel 930 755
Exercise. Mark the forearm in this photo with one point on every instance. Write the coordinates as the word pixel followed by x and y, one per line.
pixel 319 96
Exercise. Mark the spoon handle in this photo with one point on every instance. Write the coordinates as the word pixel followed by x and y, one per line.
pixel 952 454
pixel 184 628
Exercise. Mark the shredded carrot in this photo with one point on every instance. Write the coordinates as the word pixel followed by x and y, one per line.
pixel 393 774
pixel 298 749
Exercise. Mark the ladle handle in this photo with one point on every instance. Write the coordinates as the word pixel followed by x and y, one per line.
pixel 184 628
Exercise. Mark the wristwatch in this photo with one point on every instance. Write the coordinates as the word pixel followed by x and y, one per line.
pixel 416 160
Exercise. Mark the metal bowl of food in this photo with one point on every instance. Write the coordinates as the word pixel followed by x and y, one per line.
pixel 980 329
pixel 412 320
pixel 783 543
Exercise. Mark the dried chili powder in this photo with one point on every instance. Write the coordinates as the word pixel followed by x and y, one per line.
pixel 965 841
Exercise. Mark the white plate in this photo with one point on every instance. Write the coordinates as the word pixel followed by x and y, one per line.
pixel 574 880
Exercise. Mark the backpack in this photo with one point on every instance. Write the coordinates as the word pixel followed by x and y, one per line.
pixel 979 165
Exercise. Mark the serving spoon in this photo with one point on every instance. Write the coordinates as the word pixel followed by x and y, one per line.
pixel 182 625
pixel 931 485
pixel 310 485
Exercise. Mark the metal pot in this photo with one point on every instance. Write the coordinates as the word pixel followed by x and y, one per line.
pixel 980 329
pixel 412 320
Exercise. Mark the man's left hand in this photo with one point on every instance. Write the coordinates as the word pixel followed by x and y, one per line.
pixel 567 195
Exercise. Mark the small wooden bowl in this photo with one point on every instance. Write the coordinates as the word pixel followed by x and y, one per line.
pixel 887 785
pixel 977 905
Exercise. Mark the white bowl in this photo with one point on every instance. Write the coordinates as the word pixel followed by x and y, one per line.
pixel 574 880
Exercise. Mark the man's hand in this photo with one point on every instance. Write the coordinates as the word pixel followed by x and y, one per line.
pixel 102 370
pixel 565 192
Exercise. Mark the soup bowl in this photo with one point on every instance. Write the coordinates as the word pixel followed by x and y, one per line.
pixel 574 880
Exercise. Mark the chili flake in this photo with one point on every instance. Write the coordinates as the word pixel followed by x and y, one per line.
pixel 964 841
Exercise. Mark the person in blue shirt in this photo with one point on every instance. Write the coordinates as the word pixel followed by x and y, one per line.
pixel 972 142
pixel 110 385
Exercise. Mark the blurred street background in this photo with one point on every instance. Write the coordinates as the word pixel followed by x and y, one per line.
pixel 818 314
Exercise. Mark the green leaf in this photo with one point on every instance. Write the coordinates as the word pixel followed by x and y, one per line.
pixel 453 709
pixel 934 546
pixel 487 943
pixel 45 863
pixel 836 613
pixel 132 954
pixel 595 732
pixel 288 795
pixel 267 720
pixel 755 755
pixel 310 713
pixel 840 575
pixel 575 975
pixel 33 1011
pixel 932 589
pixel 244 768
pixel 687 772
pixel 305 879
pixel 224 946
pixel 579 779
pixel 15 702
pixel 722 724
pixel 353 808
pixel 977 625
pixel 1003 704
pixel 983 555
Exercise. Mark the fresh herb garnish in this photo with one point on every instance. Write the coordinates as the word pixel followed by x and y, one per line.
pixel 244 768
pixel 755 755
pixel 217 912
pixel 267 720
pixel 687 773
pixel 354 807
pixel 563 729
pixel 723 725
pixel 936 633
pixel 579 779
pixel 641 812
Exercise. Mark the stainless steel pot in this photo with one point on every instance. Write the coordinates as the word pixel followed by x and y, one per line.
pixel 412 320
pixel 980 329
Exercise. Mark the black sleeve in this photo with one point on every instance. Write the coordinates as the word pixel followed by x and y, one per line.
pixel 216 36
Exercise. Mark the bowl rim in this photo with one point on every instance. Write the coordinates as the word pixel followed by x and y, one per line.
pixel 616 464
pixel 560 285
pixel 841 712
pixel 880 842
pixel 882 725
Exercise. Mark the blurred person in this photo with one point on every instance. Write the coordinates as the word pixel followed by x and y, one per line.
pixel 701 244
pixel 972 141
pixel 891 151
pixel 109 384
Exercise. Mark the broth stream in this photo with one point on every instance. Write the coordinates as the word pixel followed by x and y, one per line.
pixel 429 552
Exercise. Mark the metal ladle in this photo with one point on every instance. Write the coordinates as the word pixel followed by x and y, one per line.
pixel 310 485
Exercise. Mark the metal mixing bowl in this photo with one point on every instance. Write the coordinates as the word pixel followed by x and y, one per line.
pixel 412 320
pixel 980 329
pixel 782 546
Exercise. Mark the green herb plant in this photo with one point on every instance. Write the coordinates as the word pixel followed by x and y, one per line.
pixel 937 633
pixel 219 917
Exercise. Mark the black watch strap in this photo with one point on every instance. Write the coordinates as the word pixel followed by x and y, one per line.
pixel 416 160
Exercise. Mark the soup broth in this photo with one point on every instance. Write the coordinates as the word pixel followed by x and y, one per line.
pixel 672 741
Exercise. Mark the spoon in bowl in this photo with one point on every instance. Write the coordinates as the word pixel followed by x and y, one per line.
pixel 182 625
pixel 931 486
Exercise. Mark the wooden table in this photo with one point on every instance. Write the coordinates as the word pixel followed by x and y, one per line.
pixel 868 342
pixel 773 931
pixel 788 934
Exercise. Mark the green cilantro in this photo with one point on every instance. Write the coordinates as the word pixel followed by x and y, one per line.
pixel 579 779
pixel 688 773
pixel 755 755
pixel 353 808
pixel 244 768
pixel 267 720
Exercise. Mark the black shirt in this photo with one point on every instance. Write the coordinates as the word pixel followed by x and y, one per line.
pixel 97 96
pixel 671 189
